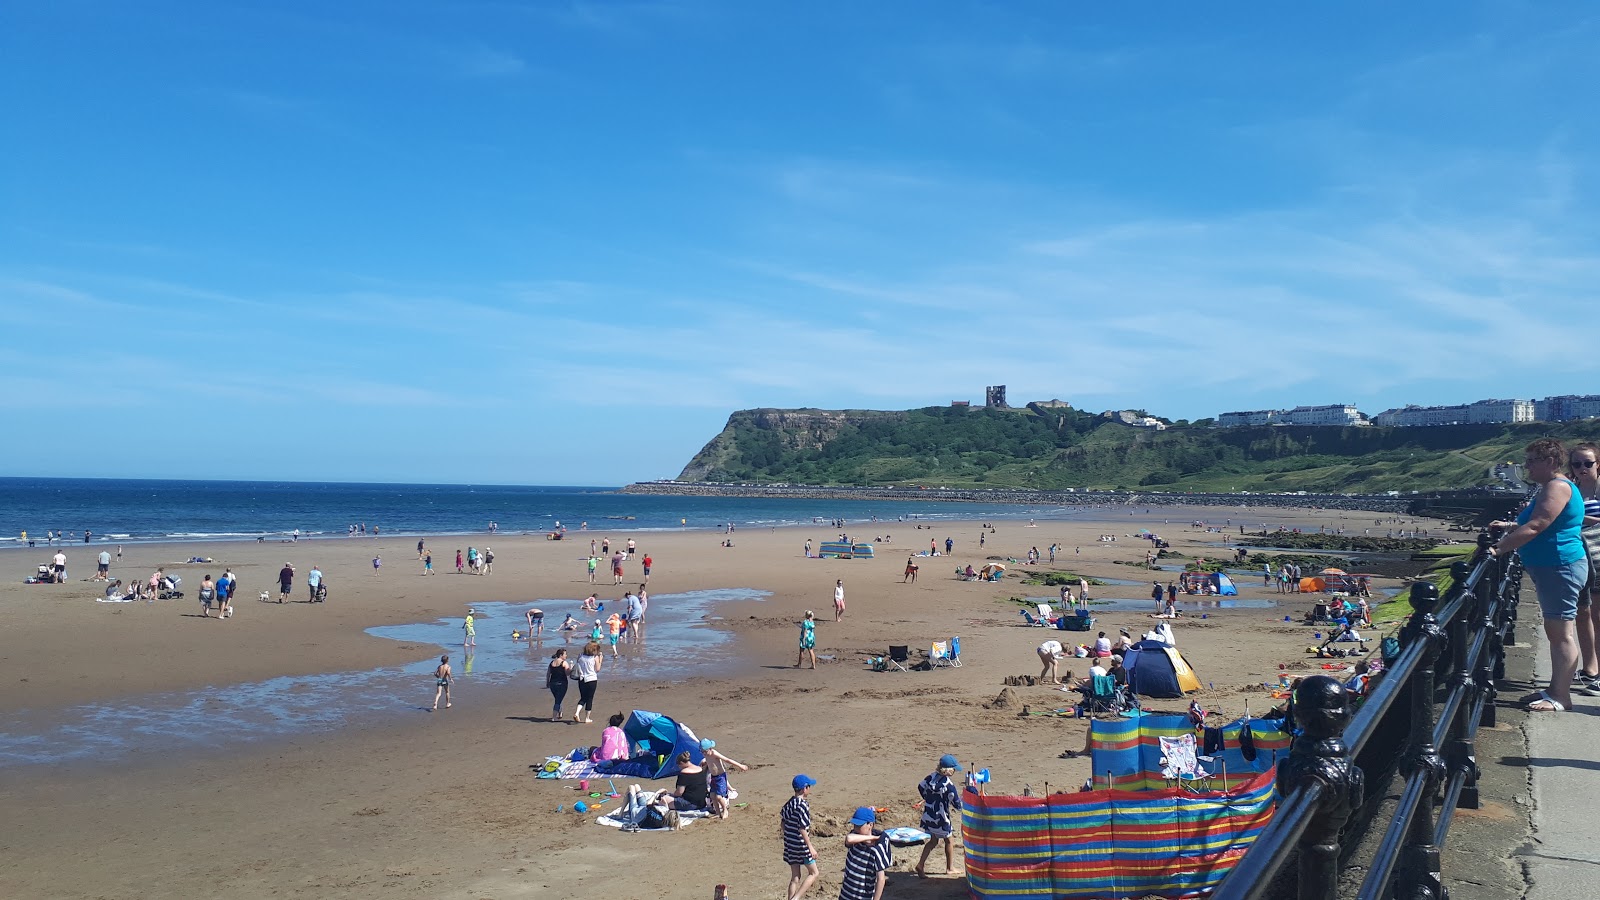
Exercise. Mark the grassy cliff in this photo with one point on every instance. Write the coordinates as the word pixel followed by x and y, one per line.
pixel 1065 448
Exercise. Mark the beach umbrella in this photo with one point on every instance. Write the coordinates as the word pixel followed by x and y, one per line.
pixel 1333 572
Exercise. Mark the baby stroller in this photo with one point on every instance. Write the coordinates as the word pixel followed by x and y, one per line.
pixel 169 588
pixel 321 596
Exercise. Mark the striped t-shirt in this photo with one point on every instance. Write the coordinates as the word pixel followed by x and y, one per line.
pixel 796 818
pixel 862 863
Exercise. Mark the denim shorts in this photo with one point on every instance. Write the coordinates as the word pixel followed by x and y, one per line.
pixel 1558 588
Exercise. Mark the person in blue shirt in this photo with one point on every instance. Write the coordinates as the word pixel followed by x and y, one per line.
pixel 313 581
pixel 940 801
pixel 1548 534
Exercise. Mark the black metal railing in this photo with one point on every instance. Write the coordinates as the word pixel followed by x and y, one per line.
pixel 1422 715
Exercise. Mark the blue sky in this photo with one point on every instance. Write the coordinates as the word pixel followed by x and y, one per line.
pixel 557 243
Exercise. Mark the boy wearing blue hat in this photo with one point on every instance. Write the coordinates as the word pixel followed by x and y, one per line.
pixel 794 824
pixel 717 767
pixel 867 858
pixel 940 800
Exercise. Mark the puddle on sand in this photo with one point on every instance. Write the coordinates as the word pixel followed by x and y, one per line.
pixel 676 638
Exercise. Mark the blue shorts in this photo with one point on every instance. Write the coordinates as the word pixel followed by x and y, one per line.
pixel 719 784
pixel 1558 588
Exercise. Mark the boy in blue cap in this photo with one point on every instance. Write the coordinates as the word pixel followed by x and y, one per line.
pixel 940 800
pixel 794 824
pixel 867 858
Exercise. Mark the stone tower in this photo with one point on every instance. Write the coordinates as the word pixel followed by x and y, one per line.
pixel 994 396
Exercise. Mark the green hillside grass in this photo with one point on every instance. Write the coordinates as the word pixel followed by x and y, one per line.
pixel 979 448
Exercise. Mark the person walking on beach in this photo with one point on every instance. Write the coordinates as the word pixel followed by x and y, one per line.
pixel 605 547
pixel 103 572
pixel 794 826
pixel 459 569
pixel 441 681
pixel 592 545
pixel 208 596
pixel 419 548
pixel 616 567
pixel 940 800
pixel 647 562
pixel 808 639
pixel 1157 593
pixel 631 548
pixel 838 600
pixel 594 565
pixel 469 630
pixel 427 563
pixel 488 560
pixel 1083 590
pixel 555 680
pixel 285 581
pixel 588 671
pixel 313 582
pixel 377 563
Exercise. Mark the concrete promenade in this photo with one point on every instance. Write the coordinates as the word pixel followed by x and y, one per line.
pixel 1562 858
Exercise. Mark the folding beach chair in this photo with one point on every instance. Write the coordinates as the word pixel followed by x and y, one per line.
pixel 1101 695
pixel 898 657
pixel 939 655
pixel 1045 612
pixel 955 652
pixel 1031 620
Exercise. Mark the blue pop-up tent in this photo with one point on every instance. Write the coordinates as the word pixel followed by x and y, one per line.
pixel 656 740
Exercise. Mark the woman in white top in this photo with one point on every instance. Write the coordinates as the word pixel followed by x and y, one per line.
pixel 587 671
pixel 1049 652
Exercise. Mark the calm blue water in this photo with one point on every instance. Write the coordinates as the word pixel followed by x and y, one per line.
pixel 678 639
pixel 130 511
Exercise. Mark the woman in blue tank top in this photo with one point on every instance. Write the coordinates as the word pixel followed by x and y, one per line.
pixel 1548 533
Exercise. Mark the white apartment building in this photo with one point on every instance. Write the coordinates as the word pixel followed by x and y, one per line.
pixel 1248 417
pixel 1480 413
pixel 1331 414
pixel 1567 407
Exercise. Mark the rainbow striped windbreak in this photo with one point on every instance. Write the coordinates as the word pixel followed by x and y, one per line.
pixel 1129 750
pixel 1110 844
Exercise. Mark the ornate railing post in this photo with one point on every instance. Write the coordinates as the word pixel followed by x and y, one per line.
pixel 1322 710
pixel 1420 876
pixel 1461 752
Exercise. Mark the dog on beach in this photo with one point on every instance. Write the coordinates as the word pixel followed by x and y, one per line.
pixel 266 597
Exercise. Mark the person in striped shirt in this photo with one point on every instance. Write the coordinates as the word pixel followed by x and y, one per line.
pixel 867 858
pixel 940 800
pixel 794 824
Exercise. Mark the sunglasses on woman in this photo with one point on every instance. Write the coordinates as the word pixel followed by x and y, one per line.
pixel 1583 463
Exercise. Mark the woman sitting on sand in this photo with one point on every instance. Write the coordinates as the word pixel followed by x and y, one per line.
pixel 613 743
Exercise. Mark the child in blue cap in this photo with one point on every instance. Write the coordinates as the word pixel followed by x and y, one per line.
pixel 794 821
pixel 940 801
pixel 867 858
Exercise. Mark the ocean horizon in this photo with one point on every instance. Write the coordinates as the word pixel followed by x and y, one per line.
pixel 118 510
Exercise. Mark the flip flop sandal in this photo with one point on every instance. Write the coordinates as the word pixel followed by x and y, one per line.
pixel 1551 705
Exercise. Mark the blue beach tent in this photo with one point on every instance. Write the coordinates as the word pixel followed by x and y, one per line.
pixel 656 740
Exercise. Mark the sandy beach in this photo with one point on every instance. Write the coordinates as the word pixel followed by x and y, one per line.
pixel 400 802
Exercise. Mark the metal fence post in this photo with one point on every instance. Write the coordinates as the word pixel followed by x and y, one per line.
pixel 1322 710
pixel 1420 876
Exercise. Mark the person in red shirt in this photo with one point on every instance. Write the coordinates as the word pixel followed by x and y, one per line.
pixel 647 562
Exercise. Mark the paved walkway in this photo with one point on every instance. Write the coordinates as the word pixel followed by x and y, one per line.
pixel 1564 758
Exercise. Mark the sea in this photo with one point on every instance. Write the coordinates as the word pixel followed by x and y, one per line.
pixel 142 511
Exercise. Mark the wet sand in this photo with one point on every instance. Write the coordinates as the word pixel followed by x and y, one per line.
pixel 381 798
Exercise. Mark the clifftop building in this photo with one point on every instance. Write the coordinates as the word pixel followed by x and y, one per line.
pixel 1331 414
pixel 1480 413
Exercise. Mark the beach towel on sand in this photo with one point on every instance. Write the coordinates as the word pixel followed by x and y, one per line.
pixel 565 767
pixel 620 817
